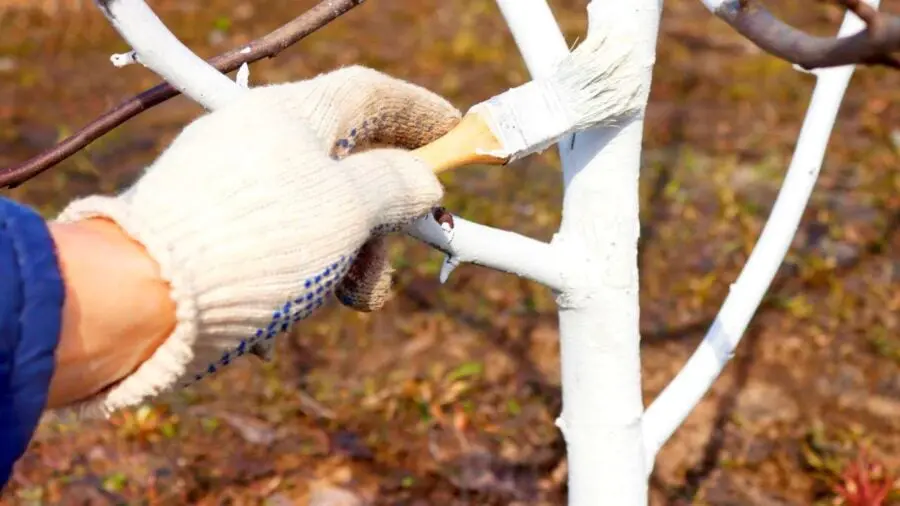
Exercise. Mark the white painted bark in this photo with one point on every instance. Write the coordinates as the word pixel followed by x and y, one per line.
pixel 680 397
pixel 160 51
pixel 539 40
pixel 497 249
pixel 599 327
pixel 536 34
pixel 600 341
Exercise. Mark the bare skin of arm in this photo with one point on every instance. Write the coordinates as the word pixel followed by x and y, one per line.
pixel 117 310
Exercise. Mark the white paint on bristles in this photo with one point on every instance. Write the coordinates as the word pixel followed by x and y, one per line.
pixel 594 85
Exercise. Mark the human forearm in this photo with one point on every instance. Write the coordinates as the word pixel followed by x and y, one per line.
pixel 117 309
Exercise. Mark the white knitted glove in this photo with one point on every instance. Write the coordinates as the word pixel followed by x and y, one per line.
pixel 254 221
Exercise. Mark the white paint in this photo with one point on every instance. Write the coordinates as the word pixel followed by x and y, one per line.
pixel 123 59
pixel 164 54
pixel 243 76
pixel 596 84
pixel 538 37
pixel 678 399
pixel 601 371
pixel 714 5
pixel 527 119
pixel 602 405
pixel 494 248
pixel 536 34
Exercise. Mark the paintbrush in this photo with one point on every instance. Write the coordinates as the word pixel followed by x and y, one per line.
pixel 598 83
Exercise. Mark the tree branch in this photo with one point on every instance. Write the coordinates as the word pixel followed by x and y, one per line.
pixel 465 241
pixel 669 410
pixel 159 50
pixel 265 47
pixel 874 45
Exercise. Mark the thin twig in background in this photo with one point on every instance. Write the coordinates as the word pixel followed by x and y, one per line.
pixel 265 47
pixel 875 45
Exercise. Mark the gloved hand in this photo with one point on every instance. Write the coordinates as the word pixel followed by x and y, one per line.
pixel 257 212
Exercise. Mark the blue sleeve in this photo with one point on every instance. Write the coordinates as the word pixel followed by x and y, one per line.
pixel 31 301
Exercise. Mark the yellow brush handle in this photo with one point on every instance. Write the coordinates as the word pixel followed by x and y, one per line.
pixel 461 145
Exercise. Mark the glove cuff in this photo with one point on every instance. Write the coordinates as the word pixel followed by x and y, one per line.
pixel 228 303
pixel 168 362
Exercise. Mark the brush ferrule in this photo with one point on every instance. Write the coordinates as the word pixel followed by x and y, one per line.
pixel 527 119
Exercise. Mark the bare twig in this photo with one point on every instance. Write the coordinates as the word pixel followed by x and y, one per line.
pixel 872 46
pixel 264 47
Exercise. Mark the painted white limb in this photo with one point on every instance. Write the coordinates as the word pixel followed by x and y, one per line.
pixel 538 38
pixel 600 340
pixel 123 59
pixel 159 50
pixel 678 399
pixel 536 34
pixel 465 241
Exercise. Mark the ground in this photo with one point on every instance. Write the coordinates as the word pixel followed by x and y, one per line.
pixel 449 394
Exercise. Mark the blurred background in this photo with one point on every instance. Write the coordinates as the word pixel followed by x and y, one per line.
pixel 448 396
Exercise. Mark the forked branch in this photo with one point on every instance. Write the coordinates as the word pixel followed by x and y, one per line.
pixel 265 47
pixel 875 45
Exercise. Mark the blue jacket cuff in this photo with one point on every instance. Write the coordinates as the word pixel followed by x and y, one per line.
pixel 31 302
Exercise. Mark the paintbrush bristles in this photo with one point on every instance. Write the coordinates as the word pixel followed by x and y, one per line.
pixel 597 84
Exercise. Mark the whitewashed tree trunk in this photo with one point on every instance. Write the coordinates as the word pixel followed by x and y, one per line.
pixel 599 309
pixel 599 315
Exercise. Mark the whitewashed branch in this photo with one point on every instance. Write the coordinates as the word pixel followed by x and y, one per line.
pixel 678 399
pixel 160 51
pixel 465 241
pixel 123 59
pixel 536 33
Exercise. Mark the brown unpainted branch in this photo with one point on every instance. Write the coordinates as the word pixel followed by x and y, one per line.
pixel 873 46
pixel 265 47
